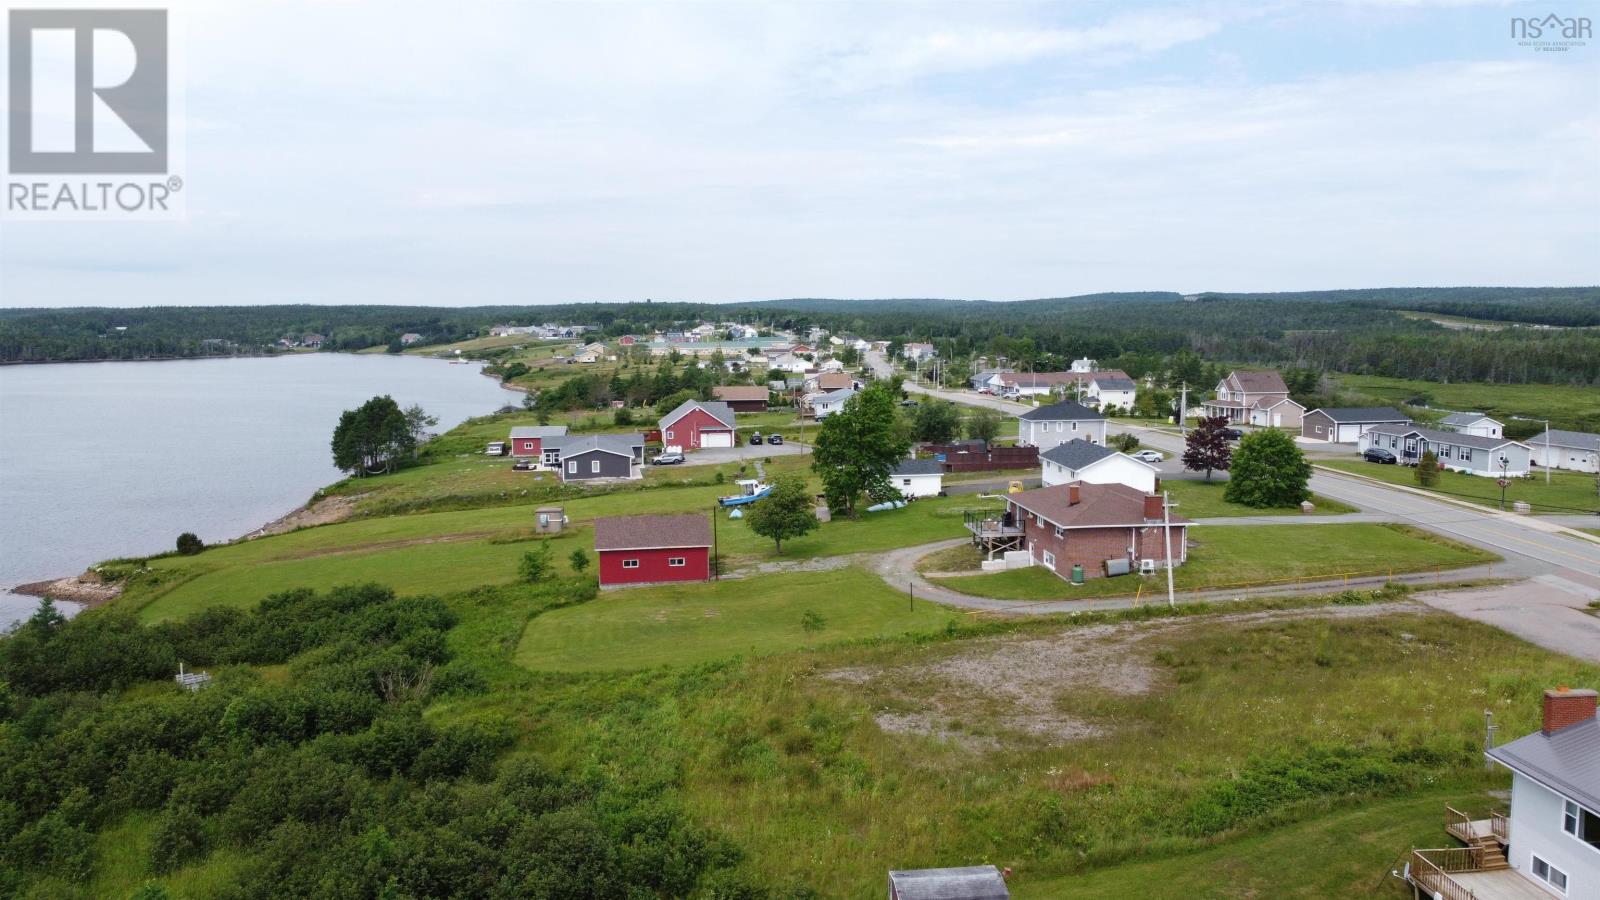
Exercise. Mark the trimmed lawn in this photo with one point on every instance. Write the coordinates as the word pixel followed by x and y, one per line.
pixel 1568 492
pixel 1566 406
pixel 681 624
pixel 1242 555
pixel 1203 500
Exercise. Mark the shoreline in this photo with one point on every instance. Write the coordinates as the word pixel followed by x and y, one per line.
pixel 73 589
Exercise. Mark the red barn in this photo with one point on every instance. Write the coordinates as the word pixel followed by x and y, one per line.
pixel 528 440
pixel 694 425
pixel 649 549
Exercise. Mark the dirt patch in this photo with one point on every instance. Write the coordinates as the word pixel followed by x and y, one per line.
pixel 1015 685
pixel 326 511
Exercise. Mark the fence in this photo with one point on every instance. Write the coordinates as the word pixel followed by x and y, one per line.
pixel 956 458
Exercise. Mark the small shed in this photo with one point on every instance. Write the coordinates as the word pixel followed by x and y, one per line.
pixel 963 883
pixel 549 519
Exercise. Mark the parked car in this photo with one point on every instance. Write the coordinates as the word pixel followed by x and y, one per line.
pixel 755 438
pixel 523 465
pixel 668 458
pixel 775 439
pixel 908 403
pixel 1379 455
pixel 1232 434
pixel 1149 456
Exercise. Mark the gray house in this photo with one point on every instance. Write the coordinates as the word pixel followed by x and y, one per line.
pixel 1473 423
pixel 1347 425
pixel 1469 453
pixel 1575 450
pixel 1053 425
pixel 596 456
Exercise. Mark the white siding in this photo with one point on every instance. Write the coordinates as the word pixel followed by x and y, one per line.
pixel 1564 457
pixel 1536 829
pixel 919 485
pixel 1046 435
pixel 1118 469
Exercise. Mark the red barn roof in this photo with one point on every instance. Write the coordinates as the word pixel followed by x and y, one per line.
pixel 651 532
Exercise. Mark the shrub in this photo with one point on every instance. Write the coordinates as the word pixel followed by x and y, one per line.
pixel 579 560
pixel 1427 471
pixel 1125 442
pixel 536 564
pixel 1268 471
pixel 189 543
pixel 811 620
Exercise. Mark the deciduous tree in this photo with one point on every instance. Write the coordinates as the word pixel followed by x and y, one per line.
pixel 1206 448
pixel 785 512
pixel 858 447
pixel 1268 471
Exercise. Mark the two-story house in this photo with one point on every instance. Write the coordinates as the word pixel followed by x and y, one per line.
pixel 1255 397
pixel 1053 425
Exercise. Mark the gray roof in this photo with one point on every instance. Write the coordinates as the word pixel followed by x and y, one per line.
pixel 1065 411
pixel 1465 418
pixel 1576 439
pixel 574 444
pixel 919 467
pixel 1567 761
pixel 1454 438
pixel 1114 383
pixel 720 411
pixel 538 431
pixel 966 883
pixel 1363 414
pixel 1077 453
pixel 838 396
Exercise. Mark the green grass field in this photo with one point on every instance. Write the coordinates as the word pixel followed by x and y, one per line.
pixel 1567 492
pixel 1243 555
pixel 684 624
pixel 1203 500
pixel 1566 406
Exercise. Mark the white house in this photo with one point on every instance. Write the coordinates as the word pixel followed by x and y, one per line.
pixel 788 362
pixel 1079 460
pixel 1573 450
pixel 1554 836
pixel 1049 426
pixel 919 352
pixel 1487 457
pixel 825 405
pixel 1347 425
pixel 1473 423
pixel 1111 389
pixel 1084 365
pixel 918 478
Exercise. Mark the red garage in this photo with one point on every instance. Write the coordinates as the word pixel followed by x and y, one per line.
pixel 648 549
pixel 528 440
pixel 695 424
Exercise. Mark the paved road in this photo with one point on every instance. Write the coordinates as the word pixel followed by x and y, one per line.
pixel 1561 570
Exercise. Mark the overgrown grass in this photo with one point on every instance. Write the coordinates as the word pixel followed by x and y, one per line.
pixel 1240 555
pixel 1567 492
pixel 1566 406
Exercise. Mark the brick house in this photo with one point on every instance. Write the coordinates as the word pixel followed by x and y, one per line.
pixel 652 549
pixel 529 440
pixel 742 397
pixel 1091 525
pixel 694 425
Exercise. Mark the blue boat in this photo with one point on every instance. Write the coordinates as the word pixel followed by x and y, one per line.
pixel 750 491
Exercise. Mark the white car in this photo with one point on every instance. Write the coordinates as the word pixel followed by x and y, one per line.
pixel 1149 456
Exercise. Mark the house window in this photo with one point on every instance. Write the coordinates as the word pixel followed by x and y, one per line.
pixel 1581 824
pixel 1060 532
pixel 1049 559
pixel 594 466
pixel 1464 454
pixel 1074 426
pixel 630 564
pixel 1317 429
pixel 675 561
pixel 1444 451
pixel 905 482
pixel 572 467
pixel 1549 874
pixel 1393 443
pixel 670 434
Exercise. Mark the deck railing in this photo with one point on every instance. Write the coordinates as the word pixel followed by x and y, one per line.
pixel 1459 824
pixel 1500 827
pixel 1430 870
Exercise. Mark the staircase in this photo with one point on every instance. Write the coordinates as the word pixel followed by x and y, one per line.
pixel 1491 855
pixel 1485 838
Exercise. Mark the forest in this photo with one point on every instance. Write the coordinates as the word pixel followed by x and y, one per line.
pixel 1363 332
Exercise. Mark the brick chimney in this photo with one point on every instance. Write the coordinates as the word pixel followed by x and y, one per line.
pixel 1152 508
pixel 1567 706
pixel 1073 497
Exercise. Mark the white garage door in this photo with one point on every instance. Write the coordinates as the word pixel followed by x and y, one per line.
pixel 716 439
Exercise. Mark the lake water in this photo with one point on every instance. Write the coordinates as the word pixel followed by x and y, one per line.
pixel 99 460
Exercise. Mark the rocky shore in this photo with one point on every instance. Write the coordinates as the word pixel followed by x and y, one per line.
pixel 86 589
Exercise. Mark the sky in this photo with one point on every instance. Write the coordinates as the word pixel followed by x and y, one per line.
pixel 480 152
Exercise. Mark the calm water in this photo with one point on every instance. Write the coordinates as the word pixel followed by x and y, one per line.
pixel 99 460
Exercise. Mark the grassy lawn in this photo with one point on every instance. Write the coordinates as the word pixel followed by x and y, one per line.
pixel 1240 555
pixel 1566 406
pixel 694 623
pixel 1568 492
pixel 1203 500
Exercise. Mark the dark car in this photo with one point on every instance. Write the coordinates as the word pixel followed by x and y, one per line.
pixel 908 403
pixel 1379 455
pixel 775 440
pixel 523 465
pixel 1232 434
pixel 755 438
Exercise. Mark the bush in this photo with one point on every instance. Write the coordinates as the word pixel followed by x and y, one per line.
pixel 179 839
pixel 811 620
pixel 189 543
pixel 1268 471
pixel 579 560
pixel 536 564
pixel 1427 471
pixel 1125 442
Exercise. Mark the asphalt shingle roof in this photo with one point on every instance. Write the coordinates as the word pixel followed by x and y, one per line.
pixel 1260 381
pixel 572 445
pixel 1352 415
pixel 1099 505
pixel 1065 411
pixel 1454 438
pixel 919 467
pixel 1077 453
pixel 1567 760
pixel 1463 418
pixel 538 431
pixel 646 532
pixel 739 392
pixel 720 411
pixel 1577 439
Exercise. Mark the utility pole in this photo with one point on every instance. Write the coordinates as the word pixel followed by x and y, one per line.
pixel 1166 527
pixel 1547 452
pixel 1183 408
pixel 716 553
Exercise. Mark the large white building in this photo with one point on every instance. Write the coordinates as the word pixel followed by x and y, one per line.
pixel 1079 460
pixel 1053 425
pixel 1573 450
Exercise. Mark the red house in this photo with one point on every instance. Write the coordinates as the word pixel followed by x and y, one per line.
pixel 528 440
pixel 695 424
pixel 650 549
pixel 1108 529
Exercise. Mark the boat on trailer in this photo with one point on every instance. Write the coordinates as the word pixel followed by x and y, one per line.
pixel 750 490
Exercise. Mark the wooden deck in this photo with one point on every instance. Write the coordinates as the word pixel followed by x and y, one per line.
pixel 1502 884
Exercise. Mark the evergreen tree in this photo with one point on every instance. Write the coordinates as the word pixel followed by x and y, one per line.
pixel 1427 471
pixel 372 438
pixel 1268 471
pixel 1206 448
pixel 784 513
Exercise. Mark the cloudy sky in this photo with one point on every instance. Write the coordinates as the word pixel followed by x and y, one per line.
pixel 508 152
